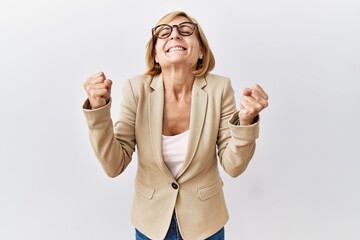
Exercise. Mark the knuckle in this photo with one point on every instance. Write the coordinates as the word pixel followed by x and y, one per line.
pixel 102 75
pixel 259 106
pixel 89 79
pixel 92 94
pixel 88 88
pixel 263 103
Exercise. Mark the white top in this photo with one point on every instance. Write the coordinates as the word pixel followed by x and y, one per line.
pixel 174 151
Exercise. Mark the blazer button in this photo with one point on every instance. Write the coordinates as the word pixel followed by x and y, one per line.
pixel 174 185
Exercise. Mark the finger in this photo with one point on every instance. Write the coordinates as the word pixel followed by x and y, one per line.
pixel 94 86
pixel 259 95
pixel 108 83
pixel 247 92
pixel 256 96
pixel 99 74
pixel 97 78
pixel 97 86
pixel 252 105
pixel 91 82
pixel 97 93
pixel 246 100
pixel 258 89
pixel 107 95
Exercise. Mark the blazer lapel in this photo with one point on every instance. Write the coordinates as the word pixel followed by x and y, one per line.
pixel 197 117
pixel 156 112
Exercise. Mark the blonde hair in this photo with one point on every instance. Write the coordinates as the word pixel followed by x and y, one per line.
pixel 204 65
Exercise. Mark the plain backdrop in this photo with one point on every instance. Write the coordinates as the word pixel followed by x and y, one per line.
pixel 303 182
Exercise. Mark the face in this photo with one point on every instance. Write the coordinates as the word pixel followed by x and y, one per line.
pixel 178 50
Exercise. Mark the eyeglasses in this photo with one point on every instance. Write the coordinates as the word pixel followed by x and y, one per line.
pixel 163 31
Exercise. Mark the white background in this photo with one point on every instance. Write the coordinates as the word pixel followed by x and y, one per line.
pixel 303 182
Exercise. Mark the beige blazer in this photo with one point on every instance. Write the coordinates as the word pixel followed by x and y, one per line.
pixel 195 194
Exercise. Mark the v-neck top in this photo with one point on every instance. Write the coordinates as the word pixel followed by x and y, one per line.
pixel 174 151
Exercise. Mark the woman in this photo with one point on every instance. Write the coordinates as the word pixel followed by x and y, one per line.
pixel 179 116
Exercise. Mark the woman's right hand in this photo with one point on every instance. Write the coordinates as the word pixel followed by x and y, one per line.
pixel 98 89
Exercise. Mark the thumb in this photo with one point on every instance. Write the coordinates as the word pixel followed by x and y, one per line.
pixel 247 92
pixel 108 83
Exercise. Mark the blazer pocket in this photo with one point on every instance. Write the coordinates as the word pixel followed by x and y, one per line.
pixel 144 190
pixel 210 190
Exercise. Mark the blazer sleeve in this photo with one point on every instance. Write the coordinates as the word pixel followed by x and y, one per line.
pixel 113 144
pixel 236 144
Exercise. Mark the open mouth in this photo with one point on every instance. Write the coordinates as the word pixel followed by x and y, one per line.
pixel 176 48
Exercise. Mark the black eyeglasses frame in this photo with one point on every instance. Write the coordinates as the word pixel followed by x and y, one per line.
pixel 153 30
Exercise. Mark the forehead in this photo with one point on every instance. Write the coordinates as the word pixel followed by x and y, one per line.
pixel 178 20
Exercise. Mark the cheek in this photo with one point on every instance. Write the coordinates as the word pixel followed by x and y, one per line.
pixel 156 55
pixel 197 53
pixel 159 45
pixel 158 51
pixel 197 50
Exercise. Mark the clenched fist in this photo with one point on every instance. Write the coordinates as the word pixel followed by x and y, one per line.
pixel 98 89
pixel 252 102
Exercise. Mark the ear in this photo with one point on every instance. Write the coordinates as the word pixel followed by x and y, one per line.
pixel 156 59
pixel 201 55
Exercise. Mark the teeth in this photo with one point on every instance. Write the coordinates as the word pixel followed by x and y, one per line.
pixel 176 49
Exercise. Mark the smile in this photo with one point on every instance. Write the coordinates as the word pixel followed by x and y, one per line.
pixel 177 48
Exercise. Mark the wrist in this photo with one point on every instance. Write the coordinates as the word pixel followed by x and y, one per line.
pixel 247 122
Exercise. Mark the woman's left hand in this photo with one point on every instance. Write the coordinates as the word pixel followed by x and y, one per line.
pixel 252 102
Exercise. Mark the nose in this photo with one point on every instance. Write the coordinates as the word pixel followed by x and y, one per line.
pixel 175 34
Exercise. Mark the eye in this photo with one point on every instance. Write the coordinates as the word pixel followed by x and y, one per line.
pixel 163 31
pixel 186 28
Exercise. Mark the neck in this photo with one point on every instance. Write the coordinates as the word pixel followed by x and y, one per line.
pixel 178 83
